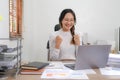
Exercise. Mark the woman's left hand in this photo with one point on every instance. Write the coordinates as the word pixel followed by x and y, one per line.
pixel 77 39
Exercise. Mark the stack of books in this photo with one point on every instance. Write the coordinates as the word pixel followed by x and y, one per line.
pixel 33 68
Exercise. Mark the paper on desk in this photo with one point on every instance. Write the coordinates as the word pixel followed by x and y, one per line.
pixel 88 71
pixel 55 65
pixel 63 74
pixel 77 75
pixel 110 71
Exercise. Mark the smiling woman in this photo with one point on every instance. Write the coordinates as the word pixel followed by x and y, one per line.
pixel 64 42
pixel 15 18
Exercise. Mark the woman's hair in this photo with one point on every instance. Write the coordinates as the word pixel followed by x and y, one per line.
pixel 62 15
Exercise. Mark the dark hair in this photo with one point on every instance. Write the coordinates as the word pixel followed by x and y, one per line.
pixel 61 17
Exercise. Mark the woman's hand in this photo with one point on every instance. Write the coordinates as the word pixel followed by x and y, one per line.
pixel 58 41
pixel 77 39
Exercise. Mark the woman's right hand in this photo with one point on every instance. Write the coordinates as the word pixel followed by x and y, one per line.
pixel 58 41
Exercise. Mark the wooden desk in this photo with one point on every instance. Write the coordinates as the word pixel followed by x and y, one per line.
pixel 97 76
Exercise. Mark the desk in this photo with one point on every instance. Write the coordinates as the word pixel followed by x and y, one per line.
pixel 97 76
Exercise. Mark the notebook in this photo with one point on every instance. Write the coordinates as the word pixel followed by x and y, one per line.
pixel 27 71
pixel 91 56
pixel 34 65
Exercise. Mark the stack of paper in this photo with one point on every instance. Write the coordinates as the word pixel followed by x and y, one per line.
pixel 9 64
pixel 114 60
pixel 110 71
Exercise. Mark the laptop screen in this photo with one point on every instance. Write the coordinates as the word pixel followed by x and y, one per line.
pixel 92 56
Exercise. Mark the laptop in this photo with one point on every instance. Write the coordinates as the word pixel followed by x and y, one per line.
pixel 90 57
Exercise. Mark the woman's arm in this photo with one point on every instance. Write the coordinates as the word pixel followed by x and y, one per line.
pixel 77 39
pixel 54 47
pixel 79 36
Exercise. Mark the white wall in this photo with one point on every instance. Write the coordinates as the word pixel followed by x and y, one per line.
pixel 99 18
pixel 4 23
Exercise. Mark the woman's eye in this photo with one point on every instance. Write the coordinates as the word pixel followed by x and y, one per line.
pixel 66 20
pixel 69 20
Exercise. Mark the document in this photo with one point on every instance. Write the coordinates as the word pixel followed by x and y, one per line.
pixel 55 65
pixel 88 71
pixel 78 75
pixel 63 74
pixel 110 71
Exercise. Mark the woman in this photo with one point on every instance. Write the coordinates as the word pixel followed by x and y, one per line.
pixel 63 42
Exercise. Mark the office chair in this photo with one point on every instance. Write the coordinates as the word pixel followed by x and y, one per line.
pixel 56 28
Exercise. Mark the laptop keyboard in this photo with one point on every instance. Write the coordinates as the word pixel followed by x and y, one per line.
pixel 71 66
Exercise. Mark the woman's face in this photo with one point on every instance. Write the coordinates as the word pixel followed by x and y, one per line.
pixel 68 22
